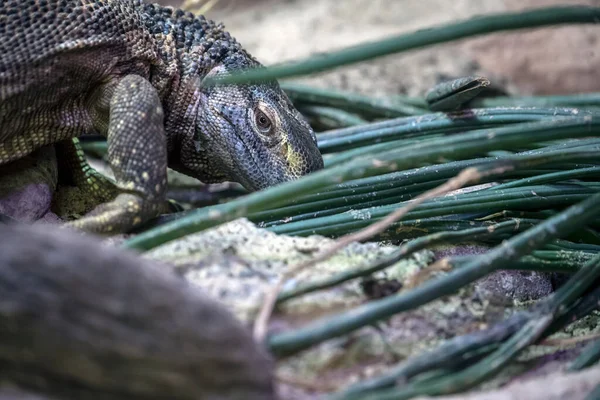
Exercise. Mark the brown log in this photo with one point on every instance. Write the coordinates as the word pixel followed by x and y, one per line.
pixel 80 320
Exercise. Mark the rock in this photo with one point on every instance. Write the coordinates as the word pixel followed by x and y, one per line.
pixel 237 262
pixel 520 286
pixel 28 203
pixel 27 185
pixel 506 286
pixel 556 386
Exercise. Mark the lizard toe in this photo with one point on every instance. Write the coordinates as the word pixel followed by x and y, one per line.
pixel 121 215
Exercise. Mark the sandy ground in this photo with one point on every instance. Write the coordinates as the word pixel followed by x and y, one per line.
pixel 553 60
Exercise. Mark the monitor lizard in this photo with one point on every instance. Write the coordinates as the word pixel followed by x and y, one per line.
pixel 134 72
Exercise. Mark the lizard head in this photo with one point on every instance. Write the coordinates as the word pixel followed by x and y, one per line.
pixel 250 134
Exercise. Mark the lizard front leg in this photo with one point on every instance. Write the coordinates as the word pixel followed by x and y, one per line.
pixel 137 153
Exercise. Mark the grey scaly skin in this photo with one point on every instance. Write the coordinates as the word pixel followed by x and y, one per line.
pixel 134 72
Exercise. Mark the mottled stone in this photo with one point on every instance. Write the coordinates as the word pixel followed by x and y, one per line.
pixel 28 203
pixel 27 185
pixel 505 286
pixel 237 262
pixel 520 286
pixel 556 386
pixel 50 218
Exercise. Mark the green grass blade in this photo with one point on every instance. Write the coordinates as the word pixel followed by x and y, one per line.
pixel 557 226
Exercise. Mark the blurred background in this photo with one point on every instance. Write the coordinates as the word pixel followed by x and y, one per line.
pixel 543 61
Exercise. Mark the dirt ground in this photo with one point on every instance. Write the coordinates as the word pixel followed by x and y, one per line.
pixel 542 61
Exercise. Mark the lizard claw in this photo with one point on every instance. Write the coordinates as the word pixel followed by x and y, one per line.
pixel 122 214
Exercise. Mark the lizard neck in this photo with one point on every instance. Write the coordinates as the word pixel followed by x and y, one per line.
pixel 188 48
pixel 187 45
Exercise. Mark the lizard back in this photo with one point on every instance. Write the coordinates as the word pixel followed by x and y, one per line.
pixel 54 53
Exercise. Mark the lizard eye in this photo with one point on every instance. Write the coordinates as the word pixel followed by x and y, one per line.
pixel 262 121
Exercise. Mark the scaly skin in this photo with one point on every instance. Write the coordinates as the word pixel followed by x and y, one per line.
pixel 133 72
